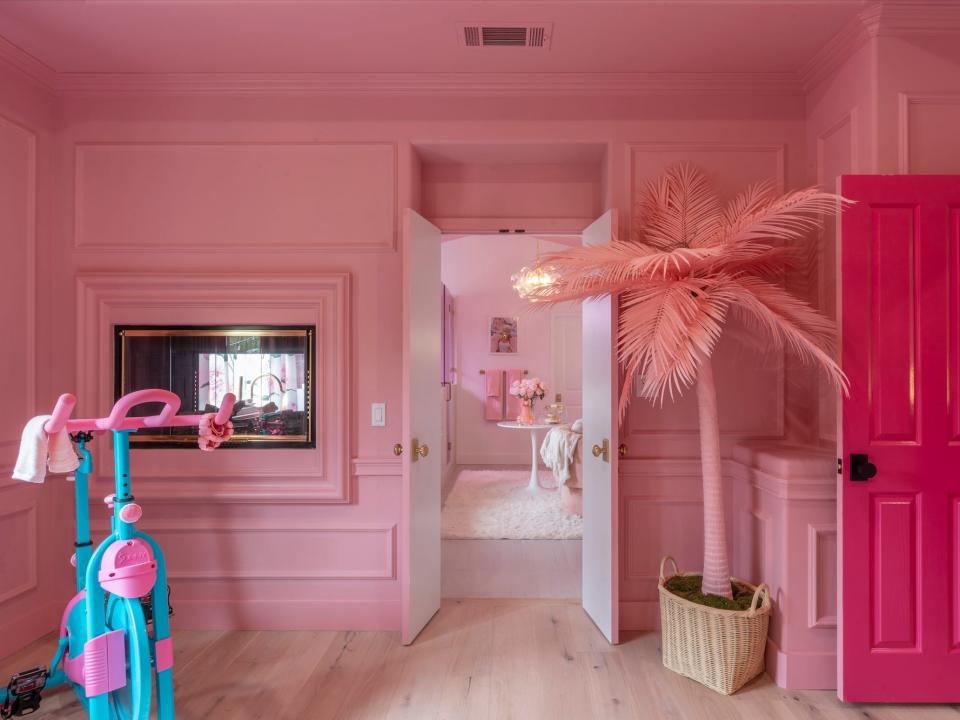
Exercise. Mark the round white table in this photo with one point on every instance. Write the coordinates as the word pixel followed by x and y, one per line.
pixel 534 447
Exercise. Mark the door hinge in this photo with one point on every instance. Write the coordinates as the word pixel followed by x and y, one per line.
pixel 839 466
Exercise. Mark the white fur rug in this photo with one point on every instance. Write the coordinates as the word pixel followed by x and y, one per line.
pixel 497 504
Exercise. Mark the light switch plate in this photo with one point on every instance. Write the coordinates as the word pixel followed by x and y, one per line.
pixel 378 415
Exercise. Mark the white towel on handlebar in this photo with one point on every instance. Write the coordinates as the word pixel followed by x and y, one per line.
pixel 38 451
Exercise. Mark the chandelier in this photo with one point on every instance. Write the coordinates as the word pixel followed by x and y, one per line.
pixel 531 279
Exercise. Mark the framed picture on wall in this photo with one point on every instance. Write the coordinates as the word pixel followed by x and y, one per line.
pixel 504 337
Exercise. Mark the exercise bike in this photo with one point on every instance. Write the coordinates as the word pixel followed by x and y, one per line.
pixel 109 651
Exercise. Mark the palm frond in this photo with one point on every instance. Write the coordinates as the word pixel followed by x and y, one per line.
pixel 752 259
pixel 787 218
pixel 561 291
pixel 691 263
pixel 679 209
pixel 662 328
pixel 620 261
pixel 749 202
pixel 788 322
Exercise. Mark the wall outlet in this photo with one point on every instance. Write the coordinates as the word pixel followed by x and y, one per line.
pixel 378 415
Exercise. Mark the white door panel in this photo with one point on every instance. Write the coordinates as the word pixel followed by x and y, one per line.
pixel 422 426
pixel 600 430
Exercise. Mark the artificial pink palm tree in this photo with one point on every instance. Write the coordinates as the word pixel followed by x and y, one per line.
pixel 691 263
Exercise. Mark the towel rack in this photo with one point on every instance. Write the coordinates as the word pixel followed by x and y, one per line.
pixel 484 372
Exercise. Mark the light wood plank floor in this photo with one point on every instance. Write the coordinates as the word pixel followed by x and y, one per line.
pixel 522 659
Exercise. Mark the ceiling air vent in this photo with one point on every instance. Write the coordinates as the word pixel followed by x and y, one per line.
pixel 479 35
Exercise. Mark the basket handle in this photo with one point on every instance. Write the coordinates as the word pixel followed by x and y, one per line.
pixel 663 565
pixel 761 588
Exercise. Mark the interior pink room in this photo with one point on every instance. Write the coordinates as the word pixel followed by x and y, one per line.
pixel 382 173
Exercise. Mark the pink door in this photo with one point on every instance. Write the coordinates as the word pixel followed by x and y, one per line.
pixel 900 270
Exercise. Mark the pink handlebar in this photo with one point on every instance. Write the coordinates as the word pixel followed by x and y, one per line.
pixel 118 420
pixel 171 403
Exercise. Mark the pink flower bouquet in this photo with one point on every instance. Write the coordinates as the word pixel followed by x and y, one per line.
pixel 528 389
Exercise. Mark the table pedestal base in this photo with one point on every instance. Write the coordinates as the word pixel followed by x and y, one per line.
pixel 534 462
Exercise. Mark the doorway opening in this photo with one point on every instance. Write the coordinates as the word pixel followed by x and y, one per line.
pixel 511 517
pixel 491 199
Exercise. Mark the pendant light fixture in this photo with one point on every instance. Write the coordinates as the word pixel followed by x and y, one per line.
pixel 529 280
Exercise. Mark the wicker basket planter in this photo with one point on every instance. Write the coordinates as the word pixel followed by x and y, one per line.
pixel 722 649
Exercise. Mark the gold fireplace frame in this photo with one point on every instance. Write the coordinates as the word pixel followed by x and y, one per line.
pixel 143 438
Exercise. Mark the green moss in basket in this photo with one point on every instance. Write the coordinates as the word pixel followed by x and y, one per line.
pixel 688 587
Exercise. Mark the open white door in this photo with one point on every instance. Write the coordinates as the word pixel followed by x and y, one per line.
pixel 421 451
pixel 601 576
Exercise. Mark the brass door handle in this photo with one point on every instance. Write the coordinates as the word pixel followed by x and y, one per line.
pixel 622 450
pixel 398 449
pixel 602 450
pixel 418 451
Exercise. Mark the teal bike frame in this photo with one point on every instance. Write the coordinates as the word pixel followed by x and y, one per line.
pixel 86 616
pixel 106 651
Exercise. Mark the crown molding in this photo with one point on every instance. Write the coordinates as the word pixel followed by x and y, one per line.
pixel 915 18
pixel 840 48
pixel 433 83
pixel 444 84
pixel 881 19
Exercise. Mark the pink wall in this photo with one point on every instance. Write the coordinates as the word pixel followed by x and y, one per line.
pixel 477 270
pixel 35 552
pixel 204 234
pixel 108 145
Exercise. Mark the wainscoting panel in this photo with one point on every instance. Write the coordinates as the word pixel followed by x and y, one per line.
pixel 278 564
pixel 928 141
pixel 18 210
pixel 661 513
pixel 318 475
pixel 250 196
pixel 785 497
pixel 19 559
pixel 836 155
pixel 209 550
pixel 27 522
pixel 822 575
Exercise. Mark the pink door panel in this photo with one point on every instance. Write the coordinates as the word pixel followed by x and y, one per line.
pixel 900 265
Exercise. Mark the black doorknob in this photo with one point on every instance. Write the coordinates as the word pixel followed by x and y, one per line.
pixel 861 468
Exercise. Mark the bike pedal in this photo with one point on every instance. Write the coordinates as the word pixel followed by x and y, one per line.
pixel 23 693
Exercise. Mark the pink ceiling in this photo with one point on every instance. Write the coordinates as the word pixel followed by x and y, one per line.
pixel 413 36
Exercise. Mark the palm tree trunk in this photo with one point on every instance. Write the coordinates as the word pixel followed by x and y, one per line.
pixel 716 566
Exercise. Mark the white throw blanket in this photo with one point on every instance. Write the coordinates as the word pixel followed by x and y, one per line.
pixel 558 451
pixel 38 450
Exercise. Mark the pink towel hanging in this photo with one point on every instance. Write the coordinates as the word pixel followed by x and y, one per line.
pixel 512 405
pixel 493 400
